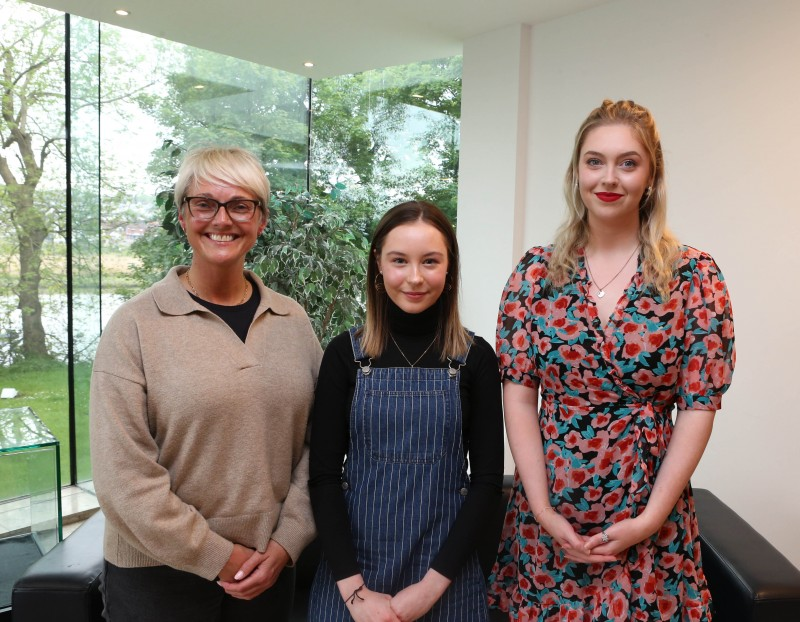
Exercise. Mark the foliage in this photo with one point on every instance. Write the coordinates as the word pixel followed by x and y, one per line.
pixel 313 253
pixel 389 135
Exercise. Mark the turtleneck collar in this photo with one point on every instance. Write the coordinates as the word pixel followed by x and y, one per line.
pixel 413 324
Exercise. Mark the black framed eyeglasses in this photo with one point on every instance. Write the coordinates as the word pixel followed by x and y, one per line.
pixel 205 208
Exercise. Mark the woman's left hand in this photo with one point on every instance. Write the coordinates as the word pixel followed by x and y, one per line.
pixel 258 573
pixel 621 536
pixel 417 599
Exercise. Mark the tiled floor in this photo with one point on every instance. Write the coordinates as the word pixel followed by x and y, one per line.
pixel 77 504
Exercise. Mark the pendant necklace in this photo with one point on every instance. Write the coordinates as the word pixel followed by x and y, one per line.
pixel 601 291
pixel 419 358
pixel 194 291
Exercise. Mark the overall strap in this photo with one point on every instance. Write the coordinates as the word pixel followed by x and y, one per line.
pixel 453 365
pixel 364 362
pixel 463 358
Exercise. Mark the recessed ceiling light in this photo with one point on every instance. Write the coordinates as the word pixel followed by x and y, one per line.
pixel 308 63
pixel 122 12
pixel 199 87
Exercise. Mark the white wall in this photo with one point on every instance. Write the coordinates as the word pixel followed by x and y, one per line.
pixel 721 79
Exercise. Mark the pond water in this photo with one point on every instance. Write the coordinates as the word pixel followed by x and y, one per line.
pixel 90 314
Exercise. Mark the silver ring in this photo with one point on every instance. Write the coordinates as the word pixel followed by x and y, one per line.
pixel 604 537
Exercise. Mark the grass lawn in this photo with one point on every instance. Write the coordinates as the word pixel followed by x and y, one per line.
pixel 43 387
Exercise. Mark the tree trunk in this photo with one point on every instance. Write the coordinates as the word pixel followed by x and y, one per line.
pixel 31 233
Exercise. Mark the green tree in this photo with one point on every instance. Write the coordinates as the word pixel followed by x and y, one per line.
pixel 357 121
pixel 32 162
pixel 31 53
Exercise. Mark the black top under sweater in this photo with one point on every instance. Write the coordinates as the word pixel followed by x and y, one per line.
pixel 238 317
pixel 330 434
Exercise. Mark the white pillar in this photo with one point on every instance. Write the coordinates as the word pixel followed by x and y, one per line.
pixel 492 171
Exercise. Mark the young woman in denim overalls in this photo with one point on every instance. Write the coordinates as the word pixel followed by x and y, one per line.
pixel 404 404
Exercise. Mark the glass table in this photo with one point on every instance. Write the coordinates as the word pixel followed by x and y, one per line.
pixel 30 494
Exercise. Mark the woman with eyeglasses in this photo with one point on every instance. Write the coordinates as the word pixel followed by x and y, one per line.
pixel 201 391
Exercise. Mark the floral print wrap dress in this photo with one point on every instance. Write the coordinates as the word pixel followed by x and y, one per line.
pixel 607 395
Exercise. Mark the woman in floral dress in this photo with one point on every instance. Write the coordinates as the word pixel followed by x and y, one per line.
pixel 601 336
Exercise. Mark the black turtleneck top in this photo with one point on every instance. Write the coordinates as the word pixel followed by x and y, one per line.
pixel 482 433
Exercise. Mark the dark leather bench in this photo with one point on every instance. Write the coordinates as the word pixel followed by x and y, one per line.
pixel 64 584
pixel 750 580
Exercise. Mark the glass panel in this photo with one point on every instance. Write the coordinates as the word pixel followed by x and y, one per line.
pixel 87 201
pixel 191 97
pixel 389 135
pixel 33 304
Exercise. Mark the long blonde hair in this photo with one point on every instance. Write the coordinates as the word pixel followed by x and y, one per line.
pixel 452 338
pixel 659 247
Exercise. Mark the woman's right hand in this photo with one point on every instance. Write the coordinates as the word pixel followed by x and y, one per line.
pixel 573 543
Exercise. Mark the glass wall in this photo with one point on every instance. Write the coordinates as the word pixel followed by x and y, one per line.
pixel 389 135
pixel 86 198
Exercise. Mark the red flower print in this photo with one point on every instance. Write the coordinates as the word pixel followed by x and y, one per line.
pixel 522 364
pixel 593 493
pixel 514 309
pixel 577 477
pixel 671 560
pixel 613 498
pixel 667 606
pixel 644 377
pixel 601 420
pixel 630 327
pixel 667 533
pixel 632 350
pixel 703 317
pixel 519 340
pixel 572 354
pixel 596 514
pixel 669 356
pixel 655 340
pixel 569 331
pixel 541 308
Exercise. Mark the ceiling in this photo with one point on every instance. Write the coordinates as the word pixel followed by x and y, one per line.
pixel 338 36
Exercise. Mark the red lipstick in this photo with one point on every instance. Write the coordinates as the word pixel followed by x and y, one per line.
pixel 608 197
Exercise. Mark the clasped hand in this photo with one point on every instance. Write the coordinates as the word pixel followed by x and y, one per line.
pixel 248 573
pixel 592 549
pixel 407 605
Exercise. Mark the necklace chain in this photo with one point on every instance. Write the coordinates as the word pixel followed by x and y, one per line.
pixel 419 358
pixel 601 291
pixel 194 291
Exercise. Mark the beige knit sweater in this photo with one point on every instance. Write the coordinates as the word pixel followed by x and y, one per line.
pixel 199 440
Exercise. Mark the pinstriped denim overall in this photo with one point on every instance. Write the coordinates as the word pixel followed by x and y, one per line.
pixel 405 479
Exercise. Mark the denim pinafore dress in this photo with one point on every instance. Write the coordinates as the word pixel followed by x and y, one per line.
pixel 404 480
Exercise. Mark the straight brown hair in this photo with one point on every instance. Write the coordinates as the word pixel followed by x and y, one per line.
pixel 452 339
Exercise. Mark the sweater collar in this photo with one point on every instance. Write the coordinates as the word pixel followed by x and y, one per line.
pixel 171 297
pixel 423 323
